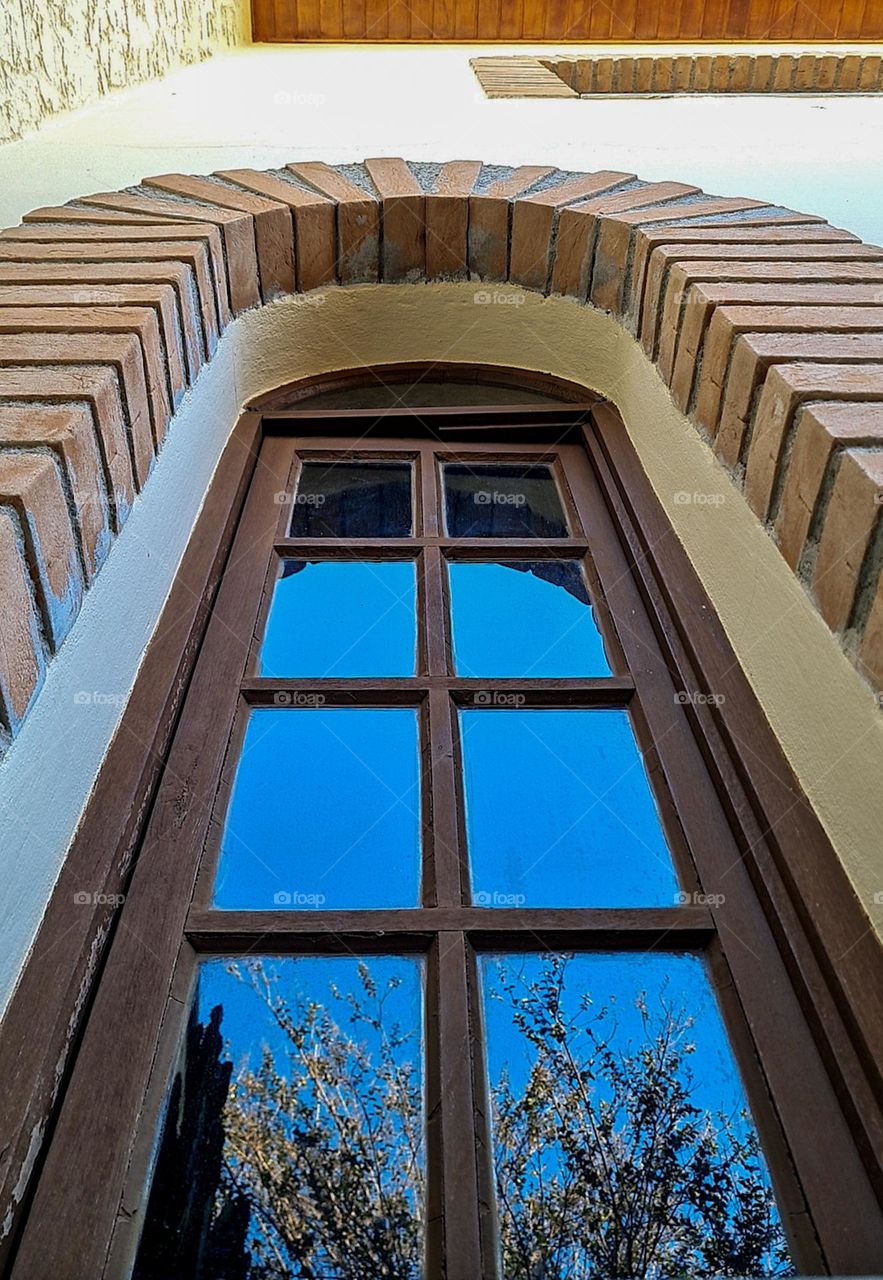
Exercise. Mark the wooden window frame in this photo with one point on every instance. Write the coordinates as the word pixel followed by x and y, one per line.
pixel 727 795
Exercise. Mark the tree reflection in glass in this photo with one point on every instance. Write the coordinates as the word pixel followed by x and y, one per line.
pixel 293 1143
pixel 623 1146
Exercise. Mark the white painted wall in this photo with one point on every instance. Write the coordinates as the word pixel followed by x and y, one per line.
pixel 265 106
pixel 826 718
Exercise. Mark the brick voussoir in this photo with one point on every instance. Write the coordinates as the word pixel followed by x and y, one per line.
pixel 852 523
pixel 22 652
pixel 122 352
pixel 787 387
pixel 140 322
pixel 97 387
pixel 821 431
pixel 237 286
pixel 767 325
pixel 664 258
pixel 403 219
pixel 754 353
pixel 534 223
pixel 69 431
pixel 190 254
pixel 273 231
pixel 31 484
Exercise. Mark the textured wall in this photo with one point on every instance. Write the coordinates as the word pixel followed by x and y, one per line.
pixel 59 54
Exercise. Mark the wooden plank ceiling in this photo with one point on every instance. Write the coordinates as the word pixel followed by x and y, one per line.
pixel 567 20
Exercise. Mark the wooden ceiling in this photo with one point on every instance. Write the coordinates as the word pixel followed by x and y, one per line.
pixel 619 21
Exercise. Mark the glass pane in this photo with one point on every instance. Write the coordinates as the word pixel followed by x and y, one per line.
pixel 622 1141
pixel 293 1143
pixel 325 811
pixel 559 812
pixel 342 618
pixel 523 620
pixel 353 500
pixel 502 500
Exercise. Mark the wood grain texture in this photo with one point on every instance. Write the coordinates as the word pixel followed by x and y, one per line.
pixel 512 20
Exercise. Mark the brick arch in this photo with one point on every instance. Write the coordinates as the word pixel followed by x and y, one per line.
pixel 766 325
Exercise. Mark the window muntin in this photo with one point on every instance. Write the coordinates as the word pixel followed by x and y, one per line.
pixel 342 618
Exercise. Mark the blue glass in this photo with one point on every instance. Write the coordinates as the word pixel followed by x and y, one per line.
pixel 502 500
pixel 340 618
pixel 559 812
pixel 524 619
pixel 293 1141
pixel 622 1140
pixel 325 811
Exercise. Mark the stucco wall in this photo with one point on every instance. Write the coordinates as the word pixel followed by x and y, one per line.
pixel 59 54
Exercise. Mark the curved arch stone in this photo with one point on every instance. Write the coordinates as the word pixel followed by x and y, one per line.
pixel 765 324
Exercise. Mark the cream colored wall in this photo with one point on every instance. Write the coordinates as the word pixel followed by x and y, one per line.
pixel 59 54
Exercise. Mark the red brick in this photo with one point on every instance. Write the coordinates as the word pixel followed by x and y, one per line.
pixel 850 522
pixel 404 225
pixel 755 353
pixel 489 214
pixel 311 222
pixel 140 322
pixel 96 253
pixel 273 232
pixel 172 277
pixel 119 351
pixel 447 219
pixel 98 388
pixel 127 303
pixel 22 661
pixel 728 322
pixel 358 221
pixel 70 433
pixel 821 430
pixel 577 225
pixel 786 387
pixel 683 274
pixel 665 257
pixel 650 238
pixel 31 484
pixel 616 235
pixel 533 220
pixel 238 287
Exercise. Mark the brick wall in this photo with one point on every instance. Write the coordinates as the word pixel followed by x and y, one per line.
pixel 766 324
